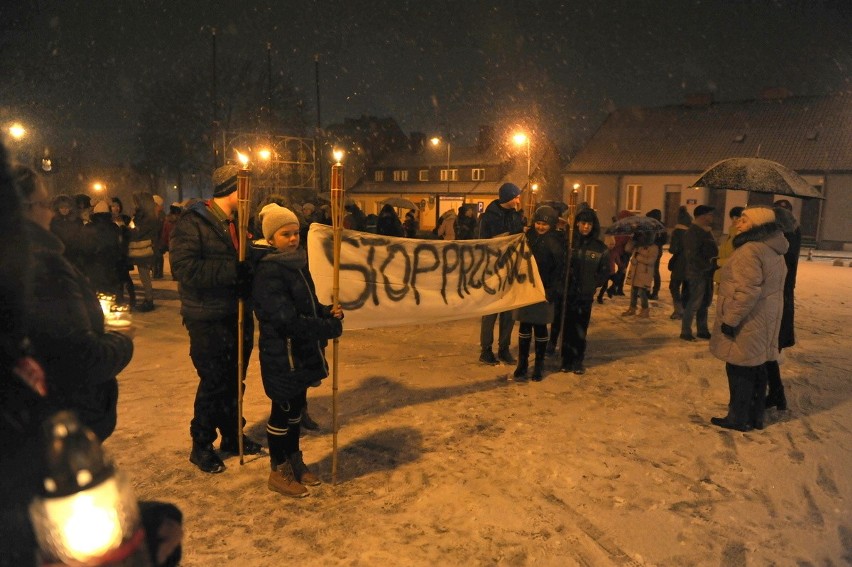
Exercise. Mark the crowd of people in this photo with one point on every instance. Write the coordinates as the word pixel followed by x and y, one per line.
pixel 59 355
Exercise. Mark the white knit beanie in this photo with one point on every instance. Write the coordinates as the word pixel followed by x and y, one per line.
pixel 760 215
pixel 273 216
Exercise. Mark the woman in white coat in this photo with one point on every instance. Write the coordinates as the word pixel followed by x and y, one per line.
pixel 748 315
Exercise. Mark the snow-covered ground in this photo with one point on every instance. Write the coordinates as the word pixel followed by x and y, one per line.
pixel 442 461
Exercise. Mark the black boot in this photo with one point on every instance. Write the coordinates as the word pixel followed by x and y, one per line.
pixel 205 458
pixel 776 397
pixel 538 368
pixel 523 357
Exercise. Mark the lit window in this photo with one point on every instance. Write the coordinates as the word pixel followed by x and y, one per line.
pixel 634 198
pixel 453 175
pixel 424 175
pixel 379 175
pixel 400 175
pixel 477 174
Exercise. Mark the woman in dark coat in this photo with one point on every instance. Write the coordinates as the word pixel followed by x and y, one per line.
pixel 388 223
pixel 546 247
pixel 677 264
pixel 294 330
pixel 589 269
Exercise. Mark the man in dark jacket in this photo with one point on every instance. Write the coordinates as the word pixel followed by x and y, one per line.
pixel 204 259
pixel 700 252
pixel 501 218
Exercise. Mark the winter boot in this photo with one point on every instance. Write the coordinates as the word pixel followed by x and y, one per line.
pixel 630 311
pixel 644 313
pixel 538 368
pixel 523 357
pixel 505 355
pixel 307 422
pixel 283 481
pixel 205 458
pixel 776 397
pixel 487 357
pixel 301 471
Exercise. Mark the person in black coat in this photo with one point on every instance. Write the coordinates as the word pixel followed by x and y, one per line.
pixel 65 324
pixel 501 218
pixel 388 223
pixel 700 252
pixel 294 330
pixel 30 391
pixel 786 335
pixel 678 286
pixel 589 269
pixel 549 253
pixel 466 222
pixel 204 260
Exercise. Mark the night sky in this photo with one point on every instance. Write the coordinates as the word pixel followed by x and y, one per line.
pixel 439 66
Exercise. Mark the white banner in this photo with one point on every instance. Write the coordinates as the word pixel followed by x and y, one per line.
pixel 386 281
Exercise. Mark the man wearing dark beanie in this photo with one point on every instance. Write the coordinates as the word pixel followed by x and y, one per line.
pixel 203 249
pixel 501 218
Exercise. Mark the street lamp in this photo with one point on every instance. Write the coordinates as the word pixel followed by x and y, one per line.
pixel 436 141
pixel 522 139
pixel 17 131
pixel 97 186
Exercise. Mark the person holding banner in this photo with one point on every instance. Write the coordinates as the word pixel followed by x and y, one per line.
pixel 548 249
pixel 589 269
pixel 500 218
pixel 294 330
pixel 204 257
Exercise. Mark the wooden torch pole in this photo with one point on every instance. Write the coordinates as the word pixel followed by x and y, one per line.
pixel 243 197
pixel 337 210
pixel 572 212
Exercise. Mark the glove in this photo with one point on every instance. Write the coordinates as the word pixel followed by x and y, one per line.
pixel 729 331
pixel 245 277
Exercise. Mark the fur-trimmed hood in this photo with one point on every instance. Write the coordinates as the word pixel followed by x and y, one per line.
pixel 767 233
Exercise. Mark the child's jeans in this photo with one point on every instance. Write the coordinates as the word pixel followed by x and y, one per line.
pixel 638 293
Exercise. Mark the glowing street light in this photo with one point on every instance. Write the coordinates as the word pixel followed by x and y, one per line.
pixel 265 154
pixel 436 141
pixel 97 186
pixel 17 131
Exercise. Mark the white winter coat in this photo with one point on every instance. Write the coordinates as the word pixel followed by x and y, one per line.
pixel 751 298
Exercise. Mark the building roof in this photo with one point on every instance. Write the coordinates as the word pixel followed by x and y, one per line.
pixel 807 134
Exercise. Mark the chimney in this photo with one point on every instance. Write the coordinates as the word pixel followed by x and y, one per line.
pixel 775 93
pixel 417 142
pixel 698 99
pixel 486 138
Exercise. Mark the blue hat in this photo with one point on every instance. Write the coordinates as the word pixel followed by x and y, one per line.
pixel 509 191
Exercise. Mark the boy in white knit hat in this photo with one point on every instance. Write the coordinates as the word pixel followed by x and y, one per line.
pixel 294 330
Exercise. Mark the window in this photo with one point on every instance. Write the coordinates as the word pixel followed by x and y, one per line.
pixel 424 175
pixel 400 175
pixel 477 174
pixel 634 198
pixel 590 195
pixel 378 175
pixel 453 175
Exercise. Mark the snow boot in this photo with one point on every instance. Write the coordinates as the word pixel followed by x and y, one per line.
pixel 301 471
pixel 538 367
pixel 205 458
pixel 644 313
pixel 283 481
pixel 630 311
pixel 523 357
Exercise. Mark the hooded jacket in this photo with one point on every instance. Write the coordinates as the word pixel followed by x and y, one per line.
pixel 590 265
pixel 751 298
pixel 294 326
